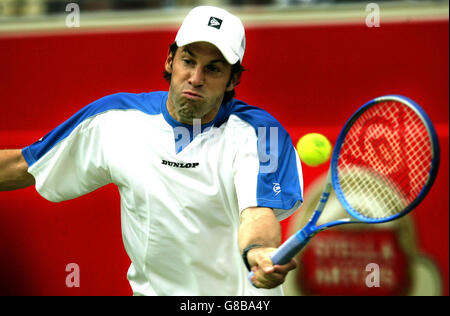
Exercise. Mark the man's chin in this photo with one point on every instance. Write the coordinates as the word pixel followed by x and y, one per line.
pixel 187 117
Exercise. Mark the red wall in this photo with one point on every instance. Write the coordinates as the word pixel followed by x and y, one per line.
pixel 310 77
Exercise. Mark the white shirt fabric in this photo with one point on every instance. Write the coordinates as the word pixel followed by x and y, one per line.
pixel 182 187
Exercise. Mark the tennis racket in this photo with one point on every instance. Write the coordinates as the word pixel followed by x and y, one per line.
pixel 383 164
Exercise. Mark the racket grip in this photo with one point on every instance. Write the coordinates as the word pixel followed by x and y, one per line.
pixel 288 250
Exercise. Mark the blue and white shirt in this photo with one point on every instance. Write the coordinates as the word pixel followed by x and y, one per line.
pixel 182 187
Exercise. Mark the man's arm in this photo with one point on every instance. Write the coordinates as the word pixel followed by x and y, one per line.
pixel 260 226
pixel 14 171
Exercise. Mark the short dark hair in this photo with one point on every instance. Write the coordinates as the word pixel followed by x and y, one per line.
pixel 236 70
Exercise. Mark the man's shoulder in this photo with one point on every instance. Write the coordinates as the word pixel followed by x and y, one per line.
pixel 252 115
pixel 148 102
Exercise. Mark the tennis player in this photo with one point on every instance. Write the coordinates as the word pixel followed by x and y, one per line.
pixel 204 178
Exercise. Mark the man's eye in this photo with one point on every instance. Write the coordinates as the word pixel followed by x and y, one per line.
pixel 187 61
pixel 213 68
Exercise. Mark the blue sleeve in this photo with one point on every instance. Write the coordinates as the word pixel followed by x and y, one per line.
pixel 280 179
pixel 118 101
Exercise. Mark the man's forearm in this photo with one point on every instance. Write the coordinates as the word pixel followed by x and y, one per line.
pixel 260 226
pixel 14 171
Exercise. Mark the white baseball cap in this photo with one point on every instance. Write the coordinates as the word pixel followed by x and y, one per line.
pixel 216 26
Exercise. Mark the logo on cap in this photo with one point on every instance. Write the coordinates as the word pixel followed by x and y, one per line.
pixel 215 22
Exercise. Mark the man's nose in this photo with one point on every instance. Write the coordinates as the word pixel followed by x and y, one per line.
pixel 197 77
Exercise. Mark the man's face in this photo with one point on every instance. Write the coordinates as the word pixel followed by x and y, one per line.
pixel 200 77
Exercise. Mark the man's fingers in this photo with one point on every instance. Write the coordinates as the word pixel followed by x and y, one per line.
pixel 267 275
pixel 268 283
pixel 267 280
pixel 285 268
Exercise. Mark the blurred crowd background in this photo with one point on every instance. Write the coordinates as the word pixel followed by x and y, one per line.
pixel 14 8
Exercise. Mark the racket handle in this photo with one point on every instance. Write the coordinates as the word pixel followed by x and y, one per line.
pixel 288 250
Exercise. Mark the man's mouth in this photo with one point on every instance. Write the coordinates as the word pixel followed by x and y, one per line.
pixel 191 94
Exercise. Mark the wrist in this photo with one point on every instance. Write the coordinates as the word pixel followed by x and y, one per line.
pixel 247 250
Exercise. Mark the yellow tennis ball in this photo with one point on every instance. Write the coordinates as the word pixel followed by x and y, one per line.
pixel 314 149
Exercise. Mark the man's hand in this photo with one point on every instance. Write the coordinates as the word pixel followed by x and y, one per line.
pixel 267 275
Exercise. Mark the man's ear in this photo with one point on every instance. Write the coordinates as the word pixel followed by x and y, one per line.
pixel 234 81
pixel 169 62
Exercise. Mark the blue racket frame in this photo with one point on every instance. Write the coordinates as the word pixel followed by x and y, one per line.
pixel 434 164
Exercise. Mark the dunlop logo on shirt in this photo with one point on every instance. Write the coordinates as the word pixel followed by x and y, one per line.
pixel 179 164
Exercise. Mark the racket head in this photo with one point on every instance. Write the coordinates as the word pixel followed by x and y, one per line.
pixel 385 159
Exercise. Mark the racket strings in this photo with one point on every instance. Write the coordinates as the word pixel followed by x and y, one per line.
pixel 385 160
pixel 371 197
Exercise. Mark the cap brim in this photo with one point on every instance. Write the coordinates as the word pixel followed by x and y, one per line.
pixel 226 51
